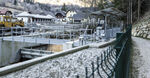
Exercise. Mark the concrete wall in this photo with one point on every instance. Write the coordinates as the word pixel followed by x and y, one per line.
pixel 68 45
pixel 47 47
pixel 9 51
pixel 55 48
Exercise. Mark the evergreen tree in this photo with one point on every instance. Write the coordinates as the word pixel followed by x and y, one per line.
pixel 100 6
pixel 64 8
pixel 15 2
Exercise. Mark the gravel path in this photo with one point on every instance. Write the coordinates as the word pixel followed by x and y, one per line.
pixel 63 67
pixel 141 58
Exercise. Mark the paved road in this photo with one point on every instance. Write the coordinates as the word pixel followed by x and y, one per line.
pixel 141 58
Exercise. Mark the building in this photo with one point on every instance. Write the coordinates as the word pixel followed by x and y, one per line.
pixel 35 18
pixel 60 15
pixel 79 18
pixel 69 15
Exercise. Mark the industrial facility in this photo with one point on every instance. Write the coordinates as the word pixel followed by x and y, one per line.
pixel 74 38
pixel 32 36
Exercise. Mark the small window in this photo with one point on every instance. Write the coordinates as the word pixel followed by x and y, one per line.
pixel 5 19
pixel 8 20
pixel 1 19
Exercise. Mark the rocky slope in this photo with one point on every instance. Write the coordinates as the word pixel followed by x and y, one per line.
pixel 142 28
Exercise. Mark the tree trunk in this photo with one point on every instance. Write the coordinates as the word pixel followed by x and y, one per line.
pixel 139 8
pixel 102 3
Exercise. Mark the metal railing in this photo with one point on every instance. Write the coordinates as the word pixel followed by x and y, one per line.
pixel 114 62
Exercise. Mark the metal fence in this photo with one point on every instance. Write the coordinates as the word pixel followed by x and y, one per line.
pixel 115 61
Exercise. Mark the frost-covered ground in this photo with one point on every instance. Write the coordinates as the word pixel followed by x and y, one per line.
pixel 63 67
pixel 141 58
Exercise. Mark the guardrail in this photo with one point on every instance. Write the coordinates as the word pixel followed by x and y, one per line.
pixel 115 61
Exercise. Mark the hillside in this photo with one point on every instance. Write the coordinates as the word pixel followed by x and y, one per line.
pixel 61 2
pixel 42 6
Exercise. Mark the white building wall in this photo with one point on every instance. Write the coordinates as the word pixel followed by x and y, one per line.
pixel 25 19
pixel 70 14
pixel 39 20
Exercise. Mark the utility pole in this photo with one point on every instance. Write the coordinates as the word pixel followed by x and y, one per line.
pixel 131 11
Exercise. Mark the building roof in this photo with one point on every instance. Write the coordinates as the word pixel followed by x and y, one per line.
pixel 26 14
pixel 61 12
pixel 79 16
pixel 4 12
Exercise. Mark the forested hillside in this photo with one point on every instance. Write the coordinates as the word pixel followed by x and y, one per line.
pixel 139 7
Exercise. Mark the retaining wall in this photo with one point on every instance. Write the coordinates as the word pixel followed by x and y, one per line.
pixel 9 51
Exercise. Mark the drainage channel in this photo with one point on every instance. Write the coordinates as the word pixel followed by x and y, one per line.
pixel 27 54
pixel 32 52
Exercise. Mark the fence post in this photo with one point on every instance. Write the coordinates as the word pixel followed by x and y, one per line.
pixel 128 50
pixel 77 76
pixel 86 72
pixel 118 72
pixel 118 46
pixel 93 69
